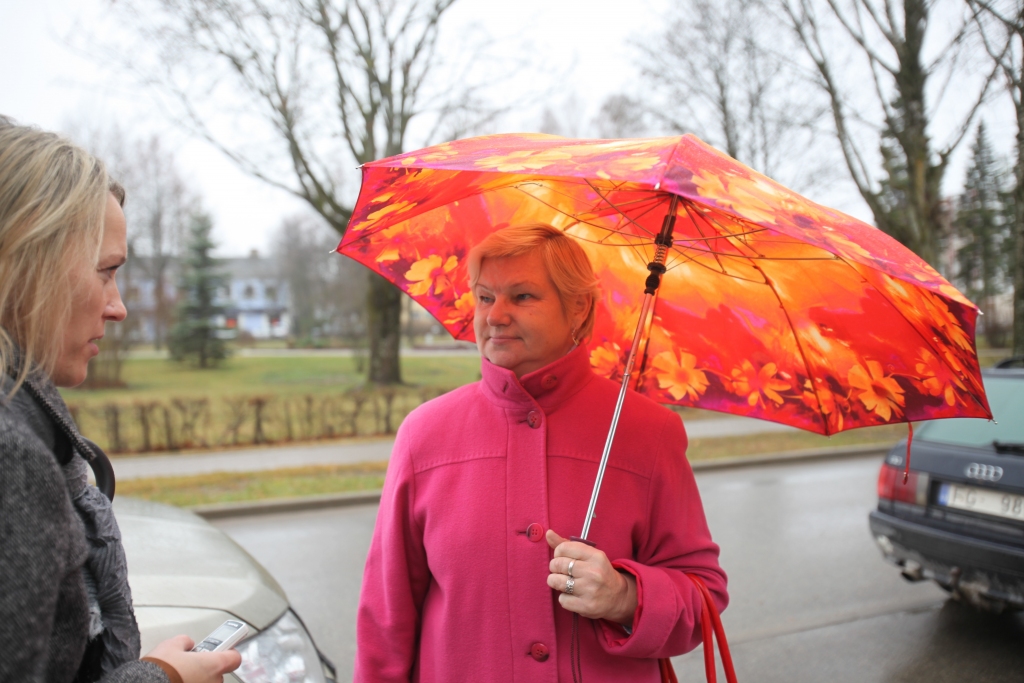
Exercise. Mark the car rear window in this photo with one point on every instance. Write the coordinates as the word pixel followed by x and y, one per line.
pixel 1005 397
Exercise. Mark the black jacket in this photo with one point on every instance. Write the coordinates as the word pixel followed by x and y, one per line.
pixel 46 611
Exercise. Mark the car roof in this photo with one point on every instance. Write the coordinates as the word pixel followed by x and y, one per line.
pixel 1008 367
pixel 1011 373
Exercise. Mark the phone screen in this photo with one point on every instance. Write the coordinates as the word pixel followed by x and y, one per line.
pixel 224 631
pixel 229 632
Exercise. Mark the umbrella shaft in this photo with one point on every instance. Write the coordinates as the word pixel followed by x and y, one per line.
pixel 645 311
pixel 657 269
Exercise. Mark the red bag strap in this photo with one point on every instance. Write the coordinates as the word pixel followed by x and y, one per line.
pixel 668 674
pixel 711 628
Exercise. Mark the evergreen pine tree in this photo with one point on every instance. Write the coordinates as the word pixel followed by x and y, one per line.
pixel 195 335
pixel 983 228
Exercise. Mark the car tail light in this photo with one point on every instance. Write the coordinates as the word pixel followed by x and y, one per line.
pixel 891 486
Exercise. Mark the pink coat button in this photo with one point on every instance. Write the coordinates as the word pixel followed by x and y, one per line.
pixel 533 419
pixel 535 532
pixel 549 381
pixel 540 652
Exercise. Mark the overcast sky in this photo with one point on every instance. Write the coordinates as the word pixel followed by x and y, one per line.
pixel 44 83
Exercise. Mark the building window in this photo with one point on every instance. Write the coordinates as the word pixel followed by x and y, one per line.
pixel 249 292
pixel 272 293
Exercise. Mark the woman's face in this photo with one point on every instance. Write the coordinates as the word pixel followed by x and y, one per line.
pixel 519 322
pixel 95 300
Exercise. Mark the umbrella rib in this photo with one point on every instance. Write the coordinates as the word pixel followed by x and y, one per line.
pixel 799 346
pixel 704 218
pixel 646 195
pixel 575 217
pixel 725 236
pixel 758 256
pixel 578 220
pixel 617 209
pixel 623 216
pixel 688 205
pixel 694 261
pixel 789 320
pixel 924 338
pixel 686 258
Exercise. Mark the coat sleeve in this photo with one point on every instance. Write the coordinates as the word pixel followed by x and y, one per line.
pixel 38 552
pixel 677 542
pixel 395 579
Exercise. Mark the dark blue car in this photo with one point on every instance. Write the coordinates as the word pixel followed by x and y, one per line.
pixel 959 519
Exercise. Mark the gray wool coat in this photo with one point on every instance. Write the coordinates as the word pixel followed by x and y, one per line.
pixel 46 610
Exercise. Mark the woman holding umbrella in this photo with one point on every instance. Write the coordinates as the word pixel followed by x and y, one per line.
pixel 461 582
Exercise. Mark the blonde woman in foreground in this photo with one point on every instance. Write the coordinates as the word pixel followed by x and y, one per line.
pixel 65 605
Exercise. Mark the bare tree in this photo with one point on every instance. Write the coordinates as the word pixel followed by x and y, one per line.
pixel 158 214
pixel 565 118
pixel 716 72
pixel 906 198
pixel 324 291
pixel 621 116
pixel 157 211
pixel 1001 28
pixel 293 91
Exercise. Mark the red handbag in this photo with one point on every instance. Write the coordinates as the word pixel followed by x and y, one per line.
pixel 711 628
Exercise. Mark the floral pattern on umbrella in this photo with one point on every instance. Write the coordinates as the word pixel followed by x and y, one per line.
pixel 772 306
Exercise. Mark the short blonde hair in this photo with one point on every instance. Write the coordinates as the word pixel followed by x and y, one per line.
pixel 565 261
pixel 53 198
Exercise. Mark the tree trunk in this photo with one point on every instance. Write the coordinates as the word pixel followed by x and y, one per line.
pixel 1018 228
pixel 924 179
pixel 384 329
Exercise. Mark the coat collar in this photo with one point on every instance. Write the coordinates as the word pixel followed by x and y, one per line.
pixel 48 398
pixel 548 387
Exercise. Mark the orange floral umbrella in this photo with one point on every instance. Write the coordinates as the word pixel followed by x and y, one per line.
pixel 771 306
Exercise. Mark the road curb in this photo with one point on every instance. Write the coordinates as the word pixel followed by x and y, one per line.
pixel 270 507
pixel 334 500
pixel 805 455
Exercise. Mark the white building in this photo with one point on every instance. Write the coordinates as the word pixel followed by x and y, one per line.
pixel 255 298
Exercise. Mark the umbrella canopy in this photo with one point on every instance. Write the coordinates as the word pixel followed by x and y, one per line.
pixel 772 306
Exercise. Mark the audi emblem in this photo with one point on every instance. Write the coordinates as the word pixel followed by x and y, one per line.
pixel 984 472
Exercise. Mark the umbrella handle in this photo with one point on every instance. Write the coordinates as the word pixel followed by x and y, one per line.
pixel 657 269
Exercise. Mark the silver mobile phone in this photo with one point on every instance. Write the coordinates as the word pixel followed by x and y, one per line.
pixel 224 637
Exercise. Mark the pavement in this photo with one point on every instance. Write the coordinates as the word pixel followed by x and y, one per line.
pixel 811 598
pixel 351 451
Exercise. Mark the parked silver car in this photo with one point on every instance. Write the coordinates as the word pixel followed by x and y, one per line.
pixel 189 577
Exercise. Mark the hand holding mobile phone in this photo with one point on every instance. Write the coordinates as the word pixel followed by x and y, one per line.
pixel 224 637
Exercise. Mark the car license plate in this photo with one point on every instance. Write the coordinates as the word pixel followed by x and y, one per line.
pixel 987 501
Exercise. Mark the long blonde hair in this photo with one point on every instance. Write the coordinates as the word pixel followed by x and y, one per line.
pixel 565 261
pixel 53 198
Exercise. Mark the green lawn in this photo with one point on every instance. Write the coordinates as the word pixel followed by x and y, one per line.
pixel 231 487
pixel 159 379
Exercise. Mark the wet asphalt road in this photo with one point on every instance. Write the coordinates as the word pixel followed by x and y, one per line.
pixel 812 599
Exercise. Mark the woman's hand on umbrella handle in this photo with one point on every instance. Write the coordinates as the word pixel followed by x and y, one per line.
pixel 599 590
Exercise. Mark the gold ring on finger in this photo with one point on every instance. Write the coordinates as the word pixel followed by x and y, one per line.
pixel 571 563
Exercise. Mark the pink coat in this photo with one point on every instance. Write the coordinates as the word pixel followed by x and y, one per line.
pixel 455 582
